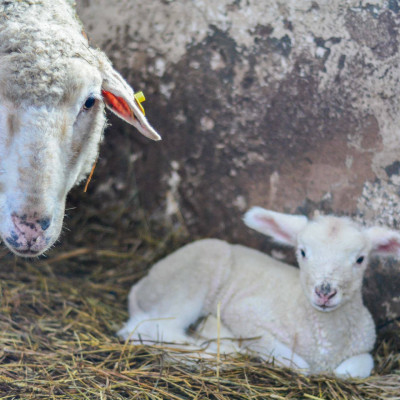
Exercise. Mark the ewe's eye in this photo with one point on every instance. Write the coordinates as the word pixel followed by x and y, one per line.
pixel 360 260
pixel 303 253
pixel 89 103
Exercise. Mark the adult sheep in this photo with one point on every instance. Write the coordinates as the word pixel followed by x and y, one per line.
pixel 53 87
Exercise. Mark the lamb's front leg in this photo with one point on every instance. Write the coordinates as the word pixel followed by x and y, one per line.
pixel 254 322
pixel 288 358
pixel 359 366
pixel 270 349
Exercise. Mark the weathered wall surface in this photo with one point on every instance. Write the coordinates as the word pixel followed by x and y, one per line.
pixel 292 105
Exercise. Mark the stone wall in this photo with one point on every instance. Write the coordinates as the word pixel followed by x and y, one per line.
pixel 291 105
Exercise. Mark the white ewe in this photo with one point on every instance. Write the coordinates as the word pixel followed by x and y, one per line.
pixel 311 318
pixel 53 87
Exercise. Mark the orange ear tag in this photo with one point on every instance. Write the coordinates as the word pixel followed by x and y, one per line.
pixel 118 104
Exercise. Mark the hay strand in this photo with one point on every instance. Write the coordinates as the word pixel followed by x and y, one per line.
pixel 218 338
pixel 90 177
pixel 58 319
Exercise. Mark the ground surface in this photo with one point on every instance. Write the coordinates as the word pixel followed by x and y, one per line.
pixel 59 315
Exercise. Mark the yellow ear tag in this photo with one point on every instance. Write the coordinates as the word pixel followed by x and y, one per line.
pixel 139 97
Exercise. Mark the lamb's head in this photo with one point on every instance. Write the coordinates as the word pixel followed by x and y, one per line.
pixel 332 252
pixel 51 123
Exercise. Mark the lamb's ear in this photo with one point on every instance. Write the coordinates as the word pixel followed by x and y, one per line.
pixel 118 96
pixel 384 242
pixel 283 228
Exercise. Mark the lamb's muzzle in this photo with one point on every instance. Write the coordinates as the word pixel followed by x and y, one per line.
pixel 325 294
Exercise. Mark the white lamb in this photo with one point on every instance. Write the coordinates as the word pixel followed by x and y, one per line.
pixel 311 318
pixel 53 87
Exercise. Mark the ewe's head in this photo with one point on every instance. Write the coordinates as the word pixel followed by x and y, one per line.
pixel 51 123
pixel 332 252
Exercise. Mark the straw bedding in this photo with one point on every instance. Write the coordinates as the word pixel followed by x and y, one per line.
pixel 59 316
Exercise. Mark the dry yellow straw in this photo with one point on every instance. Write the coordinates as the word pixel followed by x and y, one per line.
pixel 90 176
pixel 218 336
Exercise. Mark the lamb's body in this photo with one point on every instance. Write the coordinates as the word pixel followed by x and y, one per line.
pixel 53 87
pixel 260 297
pixel 311 318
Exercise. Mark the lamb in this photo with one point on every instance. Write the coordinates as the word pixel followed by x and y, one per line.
pixel 53 87
pixel 312 318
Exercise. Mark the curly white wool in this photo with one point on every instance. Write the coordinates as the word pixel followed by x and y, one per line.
pixel 311 318
pixel 49 138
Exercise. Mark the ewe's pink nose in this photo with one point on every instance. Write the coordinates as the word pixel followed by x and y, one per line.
pixel 28 234
pixel 325 292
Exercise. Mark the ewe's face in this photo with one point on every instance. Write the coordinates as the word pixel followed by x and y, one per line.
pixel 332 255
pixel 44 150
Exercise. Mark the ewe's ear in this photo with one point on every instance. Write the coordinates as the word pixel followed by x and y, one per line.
pixel 384 242
pixel 118 96
pixel 283 228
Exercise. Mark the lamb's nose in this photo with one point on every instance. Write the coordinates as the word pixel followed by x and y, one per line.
pixel 28 235
pixel 325 291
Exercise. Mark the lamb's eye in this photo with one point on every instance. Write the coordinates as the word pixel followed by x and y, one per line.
pixel 89 103
pixel 360 260
pixel 303 253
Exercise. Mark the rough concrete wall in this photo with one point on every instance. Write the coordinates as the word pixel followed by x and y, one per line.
pixel 291 105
